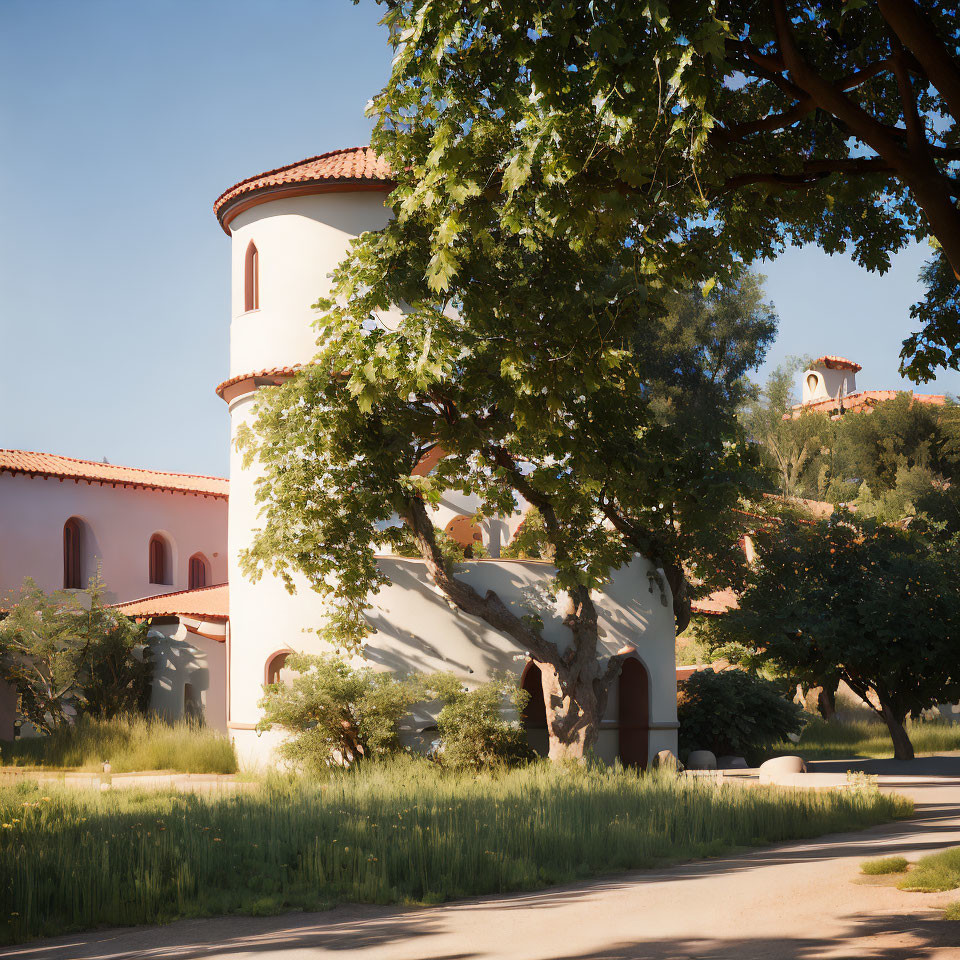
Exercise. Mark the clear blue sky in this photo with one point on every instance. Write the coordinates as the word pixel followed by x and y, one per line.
pixel 121 122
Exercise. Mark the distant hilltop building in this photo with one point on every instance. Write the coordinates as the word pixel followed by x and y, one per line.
pixel 830 386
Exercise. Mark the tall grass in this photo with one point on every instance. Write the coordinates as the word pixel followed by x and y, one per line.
pixel 833 740
pixel 129 743
pixel 403 832
pixel 934 872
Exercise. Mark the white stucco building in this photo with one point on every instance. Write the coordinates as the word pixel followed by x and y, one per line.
pixel 288 229
pixel 146 532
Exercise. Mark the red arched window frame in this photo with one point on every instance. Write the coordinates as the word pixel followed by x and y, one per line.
pixel 275 663
pixel 158 559
pixel 197 572
pixel 72 534
pixel 251 278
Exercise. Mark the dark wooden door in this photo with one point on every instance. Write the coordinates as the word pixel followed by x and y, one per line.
pixel 634 714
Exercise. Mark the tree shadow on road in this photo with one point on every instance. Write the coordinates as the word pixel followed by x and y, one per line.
pixel 894 937
pixel 346 928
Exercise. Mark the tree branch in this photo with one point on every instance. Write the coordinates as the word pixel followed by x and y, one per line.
pixel 915 30
pixel 489 607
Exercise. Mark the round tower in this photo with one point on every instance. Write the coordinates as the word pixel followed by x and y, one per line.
pixel 289 229
pixel 829 378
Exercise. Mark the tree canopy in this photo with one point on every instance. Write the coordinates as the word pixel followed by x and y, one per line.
pixel 710 131
pixel 855 600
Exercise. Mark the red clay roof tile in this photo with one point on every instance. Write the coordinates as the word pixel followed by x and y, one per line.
pixel 837 363
pixel 67 468
pixel 267 372
pixel 350 167
pixel 211 603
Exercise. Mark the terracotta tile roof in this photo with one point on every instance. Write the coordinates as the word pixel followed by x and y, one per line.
pixel 267 372
pixel 684 672
pixel 67 468
pixel 211 603
pixel 350 167
pixel 837 363
pixel 720 601
pixel 865 400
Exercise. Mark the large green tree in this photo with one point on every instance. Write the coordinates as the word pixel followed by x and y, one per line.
pixel 616 418
pixel 721 126
pixel 854 600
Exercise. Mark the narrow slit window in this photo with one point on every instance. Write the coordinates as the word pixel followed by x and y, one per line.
pixel 251 278
pixel 72 531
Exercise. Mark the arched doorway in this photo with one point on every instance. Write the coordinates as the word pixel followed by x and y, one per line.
pixel 634 720
pixel 534 714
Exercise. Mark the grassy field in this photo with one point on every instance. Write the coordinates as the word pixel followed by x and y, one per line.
pixel 135 743
pixel 403 832
pixel 822 740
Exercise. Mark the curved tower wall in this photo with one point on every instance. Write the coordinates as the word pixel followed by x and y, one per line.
pixel 299 241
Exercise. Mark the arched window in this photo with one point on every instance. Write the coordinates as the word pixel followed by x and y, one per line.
pixel 159 565
pixel 72 537
pixel 251 278
pixel 274 671
pixel 197 571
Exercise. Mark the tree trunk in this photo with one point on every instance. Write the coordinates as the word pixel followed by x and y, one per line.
pixel 574 689
pixel 902 747
pixel 574 712
pixel 826 700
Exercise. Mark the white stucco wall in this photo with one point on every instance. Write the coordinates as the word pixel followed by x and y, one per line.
pixel 416 629
pixel 118 523
pixel 829 383
pixel 183 657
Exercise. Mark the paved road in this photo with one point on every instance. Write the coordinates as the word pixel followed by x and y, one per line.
pixel 796 902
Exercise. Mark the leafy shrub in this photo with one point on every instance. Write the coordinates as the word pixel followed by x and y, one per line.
pixel 734 712
pixel 336 712
pixel 875 868
pixel 473 731
pixel 67 654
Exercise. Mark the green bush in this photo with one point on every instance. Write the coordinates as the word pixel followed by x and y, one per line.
pixel 130 743
pixel 734 712
pixel 336 713
pixel 875 868
pixel 473 731
pixel 66 654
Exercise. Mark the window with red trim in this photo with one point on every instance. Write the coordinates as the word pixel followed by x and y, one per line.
pixel 197 571
pixel 251 278
pixel 72 537
pixel 158 559
pixel 275 665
